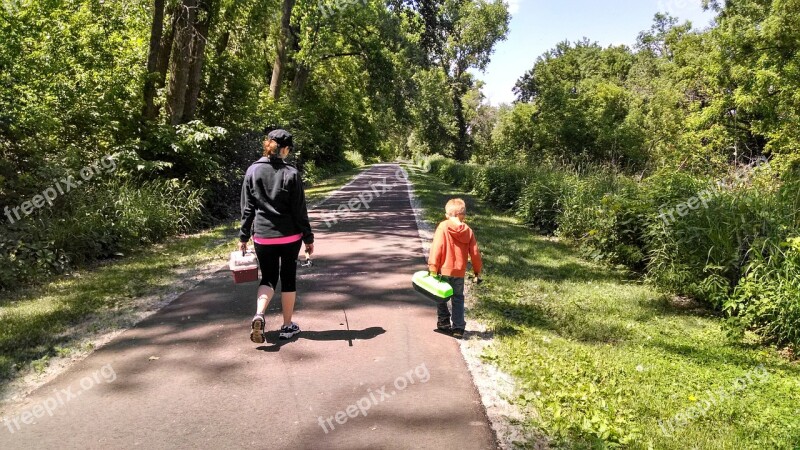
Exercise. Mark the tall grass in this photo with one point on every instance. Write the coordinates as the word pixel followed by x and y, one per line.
pixel 767 298
pixel 542 200
pixel 452 172
pixel 98 222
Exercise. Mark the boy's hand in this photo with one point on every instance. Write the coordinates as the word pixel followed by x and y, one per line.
pixel 478 279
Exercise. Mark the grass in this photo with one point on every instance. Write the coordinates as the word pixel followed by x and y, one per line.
pixel 604 361
pixel 38 322
pixel 41 322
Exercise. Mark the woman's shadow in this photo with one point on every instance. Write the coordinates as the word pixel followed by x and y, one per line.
pixel 328 335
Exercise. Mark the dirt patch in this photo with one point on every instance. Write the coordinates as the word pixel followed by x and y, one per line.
pixel 682 302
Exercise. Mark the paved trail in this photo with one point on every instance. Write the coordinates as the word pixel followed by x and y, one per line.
pixel 367 341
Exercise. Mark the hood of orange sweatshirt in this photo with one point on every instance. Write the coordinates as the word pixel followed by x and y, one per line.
pixel 459 232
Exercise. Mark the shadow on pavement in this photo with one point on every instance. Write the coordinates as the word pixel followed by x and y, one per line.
pixel 328 335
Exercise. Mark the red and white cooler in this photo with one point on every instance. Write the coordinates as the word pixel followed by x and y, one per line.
pixel 244 267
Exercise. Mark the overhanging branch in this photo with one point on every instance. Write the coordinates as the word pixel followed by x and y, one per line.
pixel 337 55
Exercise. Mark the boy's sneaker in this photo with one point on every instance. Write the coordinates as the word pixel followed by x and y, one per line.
pixel 458 333
pixel 444 327
pixel 257 329
pixel 288 331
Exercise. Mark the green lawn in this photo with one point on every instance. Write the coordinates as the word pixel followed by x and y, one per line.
pixel 41 322
pixel 604 361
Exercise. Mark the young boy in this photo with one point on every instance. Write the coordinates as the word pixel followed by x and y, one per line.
pixel 453 242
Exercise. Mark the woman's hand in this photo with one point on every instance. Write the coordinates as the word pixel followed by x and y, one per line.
pixel 243 247
pixel 310 249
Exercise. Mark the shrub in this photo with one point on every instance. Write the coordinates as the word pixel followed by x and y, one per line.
pixel 455 173
pixel 703 252
pixel 580 201
pixel 26 255
pixel 605 214
pixel 436 164
pixel 666 265
pixel 135 214
pixel 501 185
pixel 617 233
pixel 767 298
pixel 465 175
pixel 446 168
pixel 354 159
pixel 541 202
pixel 96 223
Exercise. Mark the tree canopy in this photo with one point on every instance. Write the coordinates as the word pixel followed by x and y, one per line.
pixel 179 91
pixel 682 97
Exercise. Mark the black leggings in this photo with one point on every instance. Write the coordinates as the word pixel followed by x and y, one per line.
pixel 280 260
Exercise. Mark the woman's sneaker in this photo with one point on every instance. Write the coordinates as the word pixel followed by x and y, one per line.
pixel 287 331
pixel 257 329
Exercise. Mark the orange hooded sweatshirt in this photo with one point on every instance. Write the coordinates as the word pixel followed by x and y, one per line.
pixel 452 243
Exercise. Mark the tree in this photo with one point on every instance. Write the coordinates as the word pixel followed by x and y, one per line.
pixel 180 61
pixel 149 111
pixel 284 35
pixel 583 108
pixel 191 25
pixel 468 44
pixel 755 68
pixel 197 58
pixel 514 133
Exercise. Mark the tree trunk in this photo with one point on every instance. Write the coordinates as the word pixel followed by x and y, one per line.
pixel 149 111
pixel 280 59
pixel 222 43
pixel 457 90
pixel 462 143
pixel 198 57
pixel 159 77
pixel 225 37
pixel 300 79
pixel 165 50
pixel 180 64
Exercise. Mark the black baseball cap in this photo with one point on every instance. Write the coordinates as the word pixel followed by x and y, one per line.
pixel 282 137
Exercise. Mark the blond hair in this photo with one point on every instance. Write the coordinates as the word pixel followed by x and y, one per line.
pixel 455 206
pixel 268 149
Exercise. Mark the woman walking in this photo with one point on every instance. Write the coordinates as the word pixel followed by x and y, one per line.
pixel 274 210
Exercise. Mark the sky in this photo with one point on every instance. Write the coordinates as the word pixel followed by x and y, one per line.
pixel 538 25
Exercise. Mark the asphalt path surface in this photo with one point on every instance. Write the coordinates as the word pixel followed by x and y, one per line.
pixel 367 371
